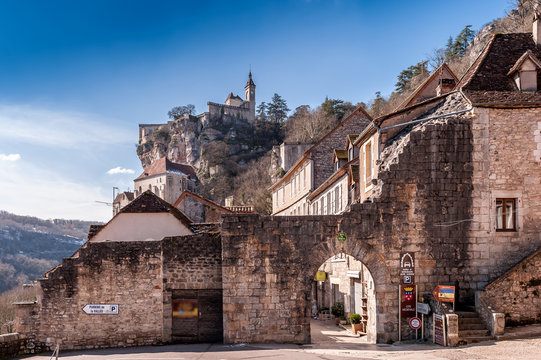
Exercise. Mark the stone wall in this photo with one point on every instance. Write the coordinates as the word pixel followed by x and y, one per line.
pixel 190 263
pixel 322 153
pixel 138 276
pixel 269 262
pixel 517 293
pixel 506 164
pixel 12 345
pixel 104 273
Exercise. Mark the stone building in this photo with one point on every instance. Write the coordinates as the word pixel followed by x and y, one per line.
pixel 455 182
pixel 121 200
pixel 233 106
pixel 289 193
pixel 199 209
pixel 166 179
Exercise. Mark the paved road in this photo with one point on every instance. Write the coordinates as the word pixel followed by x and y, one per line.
pixel 503 350
pixel 330 343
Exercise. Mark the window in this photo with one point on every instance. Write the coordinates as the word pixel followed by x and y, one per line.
pixel 350 153
pixel 368 164
pixel 506 215
pixel 338 199
pixel 329 203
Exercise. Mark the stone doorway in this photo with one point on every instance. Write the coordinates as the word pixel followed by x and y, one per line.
pixel 343 286
pixel 197 316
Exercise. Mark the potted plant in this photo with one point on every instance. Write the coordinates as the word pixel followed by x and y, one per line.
pixel 355 320
pixel 338 311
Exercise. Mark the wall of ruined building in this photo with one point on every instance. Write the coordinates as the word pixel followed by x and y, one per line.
pixel 517 294
pixel 103 273
pixel 268 262
pixel 506 164
pixel 138 276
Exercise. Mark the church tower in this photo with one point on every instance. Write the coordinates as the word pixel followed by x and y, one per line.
pixel 250 96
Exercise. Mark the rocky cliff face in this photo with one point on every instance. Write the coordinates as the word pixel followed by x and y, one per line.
pixel 215 147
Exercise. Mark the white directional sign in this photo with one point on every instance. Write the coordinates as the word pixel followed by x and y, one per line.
pixel 101 309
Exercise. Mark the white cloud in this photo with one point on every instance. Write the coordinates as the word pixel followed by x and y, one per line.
pixel 9 157
pixel 33 190
pixel 120 170
pixel 63 129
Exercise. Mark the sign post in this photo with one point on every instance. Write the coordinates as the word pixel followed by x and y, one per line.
pixel 445 293
pixel 101 309
pixel 424 309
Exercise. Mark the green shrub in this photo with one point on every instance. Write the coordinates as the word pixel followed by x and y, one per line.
pixel 355 318
pixel 337 309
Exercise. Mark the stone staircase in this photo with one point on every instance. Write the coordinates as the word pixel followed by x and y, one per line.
pixel 471 329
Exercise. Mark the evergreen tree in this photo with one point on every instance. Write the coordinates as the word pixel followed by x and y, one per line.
pixel 462 41
pixel 336 108
pixel 408 74
pixel 277 109
pixel 262 111
pixel 449 52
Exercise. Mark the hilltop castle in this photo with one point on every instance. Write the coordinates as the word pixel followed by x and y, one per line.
pixel 234 106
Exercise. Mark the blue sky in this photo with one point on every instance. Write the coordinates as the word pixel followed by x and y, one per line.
pixel 77 77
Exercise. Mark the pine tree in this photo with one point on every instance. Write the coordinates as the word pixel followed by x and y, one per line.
pixel 277 109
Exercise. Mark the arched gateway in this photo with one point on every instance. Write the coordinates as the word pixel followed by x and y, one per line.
pixel 268 266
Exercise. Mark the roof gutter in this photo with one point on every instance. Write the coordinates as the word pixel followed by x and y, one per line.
pixel 430 117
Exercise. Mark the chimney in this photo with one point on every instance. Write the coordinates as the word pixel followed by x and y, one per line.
pixel 537 25
pixel 445 86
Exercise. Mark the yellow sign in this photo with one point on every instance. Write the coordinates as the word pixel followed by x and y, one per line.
pixel 321 276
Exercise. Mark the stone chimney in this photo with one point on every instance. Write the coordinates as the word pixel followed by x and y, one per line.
pixel 537 25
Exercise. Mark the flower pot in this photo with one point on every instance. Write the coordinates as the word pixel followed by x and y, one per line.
pixel 355 328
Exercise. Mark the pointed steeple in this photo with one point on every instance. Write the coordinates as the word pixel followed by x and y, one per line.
pixel 250 82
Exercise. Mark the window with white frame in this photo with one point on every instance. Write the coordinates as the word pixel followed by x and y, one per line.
pixel 506 214
pixel 324 205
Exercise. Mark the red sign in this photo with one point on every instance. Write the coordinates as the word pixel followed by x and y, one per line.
pixel 408 301
pixel 444 293
pixel 415 323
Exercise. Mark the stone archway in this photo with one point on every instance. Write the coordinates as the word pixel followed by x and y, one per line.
pixel 267 270
pixel 343 282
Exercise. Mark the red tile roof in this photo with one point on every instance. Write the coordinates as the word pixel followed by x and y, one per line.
pixel 163 165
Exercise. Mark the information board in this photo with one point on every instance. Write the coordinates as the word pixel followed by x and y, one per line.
pixel 439 330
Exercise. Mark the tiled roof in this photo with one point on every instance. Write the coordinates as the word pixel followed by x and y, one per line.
pixel 147 202
pixel 527 55
pixel 333 178
pixel 487 81
pixel 163 165
pixel 359 111
pixel 128 194
pixel 340 154
pixel 201 199
pixel 94 229
pixel 410 100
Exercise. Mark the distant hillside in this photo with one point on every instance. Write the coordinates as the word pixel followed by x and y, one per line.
pixel 30 246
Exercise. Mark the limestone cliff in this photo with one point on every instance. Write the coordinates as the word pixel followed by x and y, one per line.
pixel 217 146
